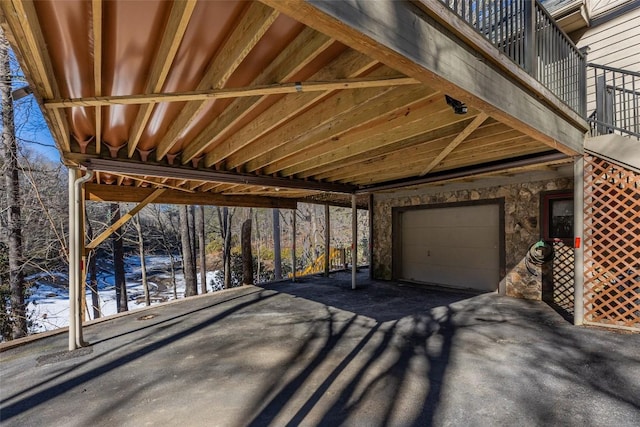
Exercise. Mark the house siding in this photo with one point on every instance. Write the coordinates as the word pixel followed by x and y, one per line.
pixel 614 43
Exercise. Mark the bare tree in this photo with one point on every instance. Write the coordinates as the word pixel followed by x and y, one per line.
pixel 277 255
pixel 247 257
pixel 93 271
pixel 188 261
pixel 202 248
pixel 225 216
pixel 118 262
pixel 12 182
pixel 143 264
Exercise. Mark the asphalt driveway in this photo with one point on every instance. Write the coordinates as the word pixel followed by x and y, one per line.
pixel 318 353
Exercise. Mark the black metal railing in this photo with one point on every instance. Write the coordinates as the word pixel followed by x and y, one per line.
pixel 614 96
pixel 525 32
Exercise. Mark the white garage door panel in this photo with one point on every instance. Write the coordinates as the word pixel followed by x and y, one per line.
pixel 456 246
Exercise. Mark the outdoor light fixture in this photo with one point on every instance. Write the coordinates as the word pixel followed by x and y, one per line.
pixel 458 107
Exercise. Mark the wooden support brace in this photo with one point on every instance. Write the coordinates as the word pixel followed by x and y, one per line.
pixel 124 219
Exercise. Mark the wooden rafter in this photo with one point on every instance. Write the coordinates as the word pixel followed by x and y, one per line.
pixel 338 113
pixel 381 113
pixel 350 65
pixel 307 46
pixel 173 33
pixel 255 22
pixel 404 148
pixel 475 124
pixel 96 18
pixel 124 219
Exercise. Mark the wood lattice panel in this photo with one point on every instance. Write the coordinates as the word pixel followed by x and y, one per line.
pixel 612 244
pixel 563 271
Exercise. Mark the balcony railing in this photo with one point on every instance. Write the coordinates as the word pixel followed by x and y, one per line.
pixel 525 32
pixel 614 96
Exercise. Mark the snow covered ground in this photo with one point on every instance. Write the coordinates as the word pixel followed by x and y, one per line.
pixel 48 303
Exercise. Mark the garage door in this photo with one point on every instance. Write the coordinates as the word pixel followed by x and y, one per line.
pixel 453 246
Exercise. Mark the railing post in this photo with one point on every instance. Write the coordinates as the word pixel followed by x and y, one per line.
pixel 530 48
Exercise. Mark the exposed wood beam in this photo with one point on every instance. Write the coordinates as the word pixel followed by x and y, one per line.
pixel 151 170
pixel 241 92
pixel 254 24
pixel 337 114
pixel 24 24
pixel 475 124
pixel 112 193
pixel 407 122
pixel 96 20
pixel 377 154
pixel 172 37
pixel 124 219
pixel 350 64
pixel 402 36
pixel 415 152
pixel 306 47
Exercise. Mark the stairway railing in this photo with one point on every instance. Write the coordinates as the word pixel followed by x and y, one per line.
pixel 614 96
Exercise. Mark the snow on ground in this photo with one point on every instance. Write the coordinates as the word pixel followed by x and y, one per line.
pixel 48 302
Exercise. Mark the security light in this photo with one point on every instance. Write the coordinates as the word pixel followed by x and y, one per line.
pixel 458 106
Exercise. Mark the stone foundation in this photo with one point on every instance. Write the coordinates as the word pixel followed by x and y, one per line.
pixel 522 222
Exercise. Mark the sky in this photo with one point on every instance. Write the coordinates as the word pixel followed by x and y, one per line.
pixel 31 128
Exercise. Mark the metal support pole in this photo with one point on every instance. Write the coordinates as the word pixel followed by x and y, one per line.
pixel 79 245
pixel 354 240
pixel 578 232
pixel 293 246
pixel 327 240
pixel 72 257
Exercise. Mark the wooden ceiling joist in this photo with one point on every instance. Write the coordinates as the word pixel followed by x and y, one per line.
pixel 96 21
pixel 349 65
pixel 112 193
pixel 254 24
pixel 475 124
pixel 172 37
pixel 301 52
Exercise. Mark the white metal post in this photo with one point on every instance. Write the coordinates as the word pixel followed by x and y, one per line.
pixel 79 247
pixel 578 232
pixel 354 240
pixel 72 257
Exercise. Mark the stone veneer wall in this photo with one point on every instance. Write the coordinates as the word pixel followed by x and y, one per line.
pixel 522 223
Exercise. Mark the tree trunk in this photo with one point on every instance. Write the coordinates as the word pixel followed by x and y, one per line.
pixel 188 264
pixel 277 256
pixel 224 217
pixel 202 248
pixel 118 262
pixel 14 220
pixel 93 272
pixel 143 264
pixel 247 256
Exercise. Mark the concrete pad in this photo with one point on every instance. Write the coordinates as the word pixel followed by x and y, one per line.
pixel 317 353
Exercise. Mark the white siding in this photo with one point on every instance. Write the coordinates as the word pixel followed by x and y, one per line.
pixel 615 43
